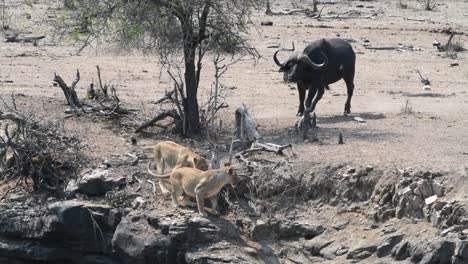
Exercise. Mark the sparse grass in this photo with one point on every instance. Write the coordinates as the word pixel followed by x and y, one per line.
pixel 453 47
pixel 428 5
pixel 407 109
pixel 457 46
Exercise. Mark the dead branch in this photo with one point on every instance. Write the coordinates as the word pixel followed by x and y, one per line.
pixel 154 187
pixel 139 182
pixel 11 189
pixel 231 149
pixel 103 88
pixel 168 96
pixel 383 48
pixel 69 92
pixel 107 106
pixel 248 163
pixel 160 116
pixel 314 13
pixel 38 151
pixel 15 117
pixel 270 147
pixel 25 39
pixel 423 80
pixel 177 115
pixel 212 141
pixel 133 162
pixel 180 104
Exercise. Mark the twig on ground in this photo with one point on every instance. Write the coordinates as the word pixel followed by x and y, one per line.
pixel 139 182
pixel 154 187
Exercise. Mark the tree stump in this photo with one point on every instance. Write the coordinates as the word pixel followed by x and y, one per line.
pixel 246 129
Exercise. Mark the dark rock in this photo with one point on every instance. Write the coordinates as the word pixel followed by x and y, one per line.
pixel 287 229
pixel 461 250
pixel 315 245
pixel 361 251
pixel 63 232
pixel 417 250
pixel 76 223
pixel 456 260
pixel 140 239
pixel 400 251
pixel 424 188
pixel 329 252
pixel 385 248
pixel 441 253
pixel 260 231
pixel 99 182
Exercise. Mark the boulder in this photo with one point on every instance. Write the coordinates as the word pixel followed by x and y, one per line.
pixel 400 251
pixel 361 251
pixel 461 250
pixel 329 252
pixel 98 182
pixel 260 231
pixel 424 188
pixel 385 248
pixel 288 229
pixel 441 253
pixel 158 239
pixel 315 245
pixel 63 232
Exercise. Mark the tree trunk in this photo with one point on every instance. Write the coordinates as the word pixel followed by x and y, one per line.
pixel 192 115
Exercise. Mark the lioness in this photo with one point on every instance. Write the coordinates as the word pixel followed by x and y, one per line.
pixel 170 155
pixel 201 184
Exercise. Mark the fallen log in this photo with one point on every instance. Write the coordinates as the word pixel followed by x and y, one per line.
pixel 25 39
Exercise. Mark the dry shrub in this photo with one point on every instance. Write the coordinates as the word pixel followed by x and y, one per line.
pixel 37 150
pixel 428 4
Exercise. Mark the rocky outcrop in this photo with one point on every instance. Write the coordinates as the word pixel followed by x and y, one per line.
pixel 68 231
pixel 80 232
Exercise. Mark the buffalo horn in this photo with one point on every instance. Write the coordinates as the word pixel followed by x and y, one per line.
pixel 276 59
pixel 314 65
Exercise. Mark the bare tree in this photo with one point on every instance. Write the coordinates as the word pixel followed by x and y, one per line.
pixel 168 27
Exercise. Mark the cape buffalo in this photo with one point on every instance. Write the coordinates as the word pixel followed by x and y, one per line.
pixel 322 62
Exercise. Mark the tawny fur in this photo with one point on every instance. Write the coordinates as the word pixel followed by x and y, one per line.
pixel 201 185
pixel 169 155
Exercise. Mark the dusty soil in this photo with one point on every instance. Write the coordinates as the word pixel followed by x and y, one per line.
pixel 430 134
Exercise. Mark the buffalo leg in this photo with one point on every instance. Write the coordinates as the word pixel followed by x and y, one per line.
pixel 317 98
pixel 302 91
pixel 316 94
pixel 349 80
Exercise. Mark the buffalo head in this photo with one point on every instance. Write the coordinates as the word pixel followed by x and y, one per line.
pixel 297 67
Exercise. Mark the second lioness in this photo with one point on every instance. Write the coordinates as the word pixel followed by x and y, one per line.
pixel 201 185
pixel 169 155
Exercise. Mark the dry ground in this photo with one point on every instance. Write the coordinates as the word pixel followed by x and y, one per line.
pixel 433 136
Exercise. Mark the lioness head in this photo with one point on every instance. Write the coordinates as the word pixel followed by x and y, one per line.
pixel 201 163
pixel 234 179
